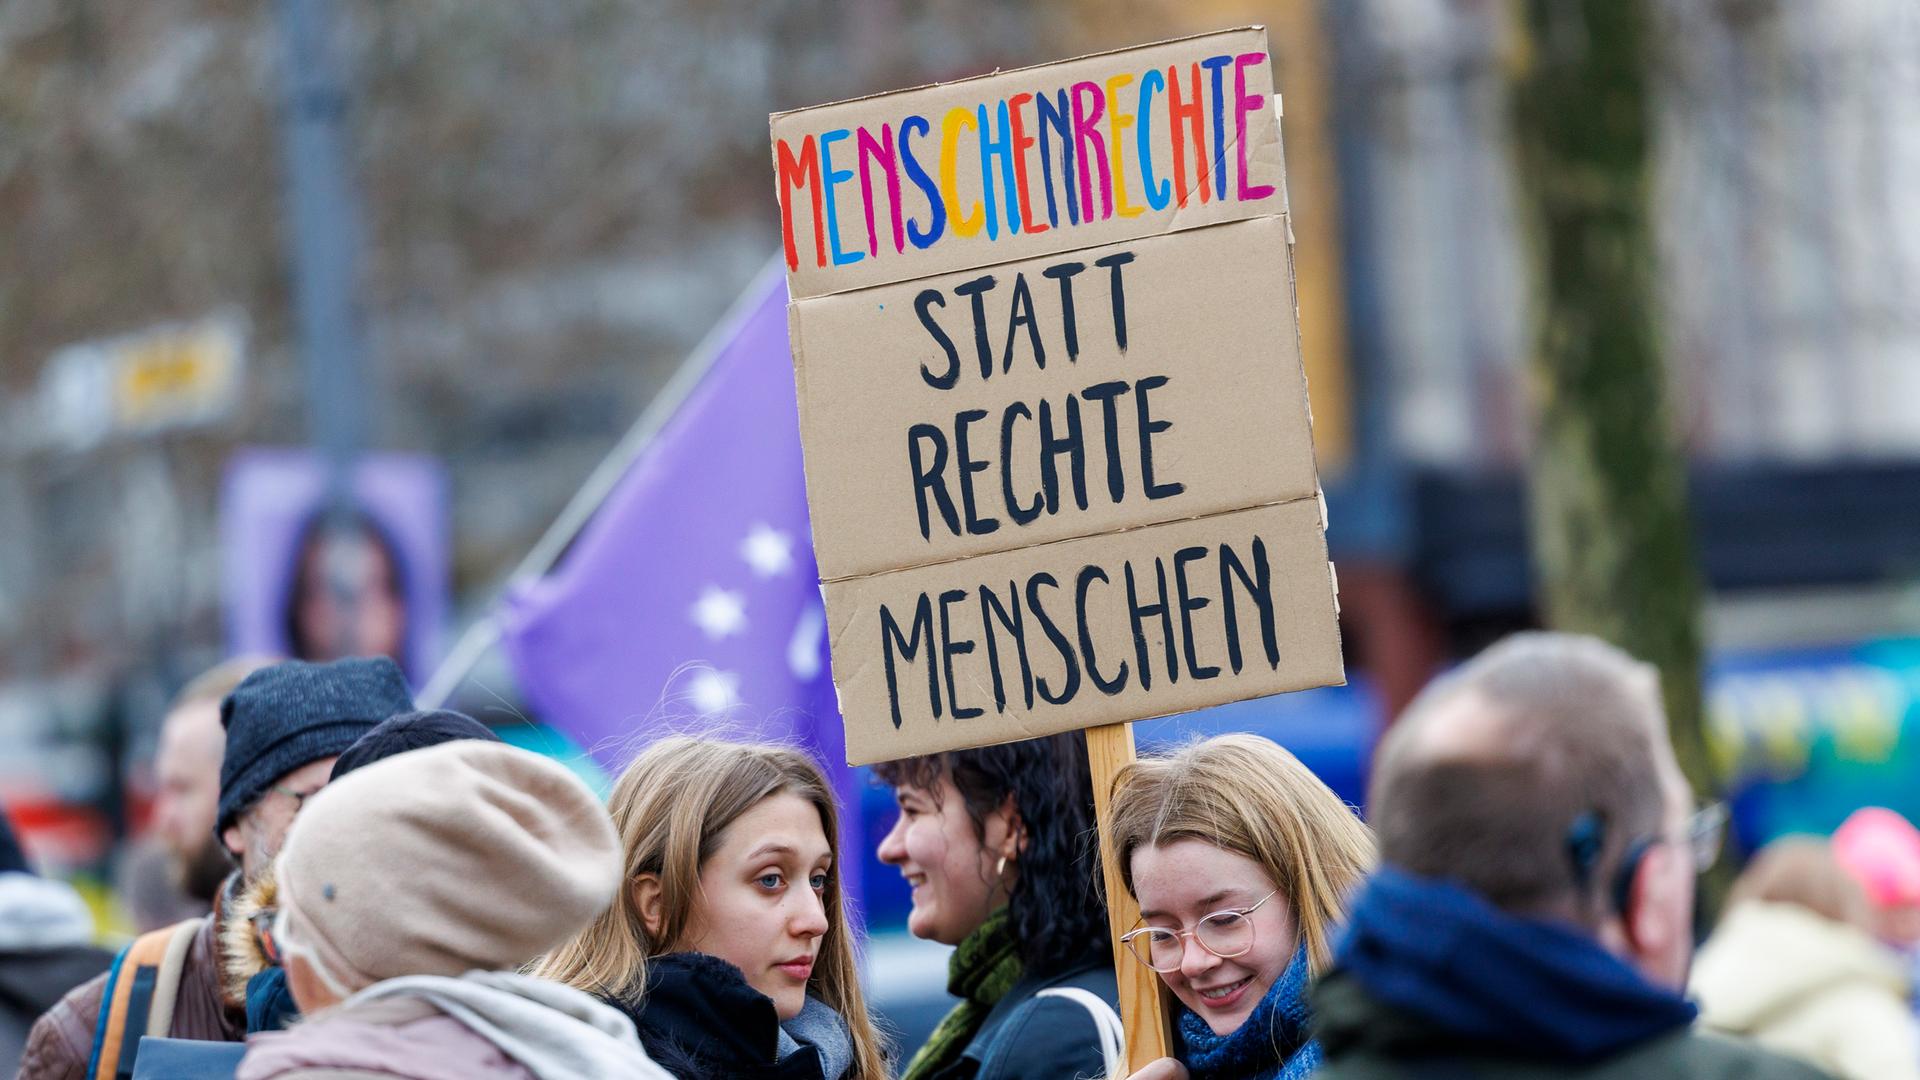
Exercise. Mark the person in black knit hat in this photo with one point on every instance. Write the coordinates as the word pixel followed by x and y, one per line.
pixel 285 725
pixel 410 731
pixel 250 972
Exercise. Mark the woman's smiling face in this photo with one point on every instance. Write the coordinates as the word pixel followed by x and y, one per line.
pixel 953 866
pixel 1180 883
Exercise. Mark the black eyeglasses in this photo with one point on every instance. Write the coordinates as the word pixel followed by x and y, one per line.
pixel 1704 833
pixel 299 797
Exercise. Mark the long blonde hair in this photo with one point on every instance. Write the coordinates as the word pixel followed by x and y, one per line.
pixel 671 807
pixel 1244 794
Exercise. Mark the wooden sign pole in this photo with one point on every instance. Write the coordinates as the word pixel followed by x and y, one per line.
pixel 1143 1010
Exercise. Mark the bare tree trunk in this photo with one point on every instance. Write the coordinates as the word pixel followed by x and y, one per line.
pixel 1611 540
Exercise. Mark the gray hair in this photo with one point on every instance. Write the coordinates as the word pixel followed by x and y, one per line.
pixel 1492 769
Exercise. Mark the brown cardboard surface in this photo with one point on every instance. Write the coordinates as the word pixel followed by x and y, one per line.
pixel 846 253
pixel 923 368
pixel 939 611
pixel 1207 316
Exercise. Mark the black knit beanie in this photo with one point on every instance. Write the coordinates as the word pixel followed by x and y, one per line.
pixel 410 731
pixel 295 713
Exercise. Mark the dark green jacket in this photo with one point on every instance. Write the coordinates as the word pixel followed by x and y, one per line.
pixel 1364 1039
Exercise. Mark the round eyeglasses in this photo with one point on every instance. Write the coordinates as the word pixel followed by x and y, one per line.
pixel 1225 934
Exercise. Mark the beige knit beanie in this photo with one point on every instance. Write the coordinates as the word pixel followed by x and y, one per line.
pixel 468 855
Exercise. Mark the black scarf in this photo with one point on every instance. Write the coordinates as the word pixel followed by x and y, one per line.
pixel 699 1020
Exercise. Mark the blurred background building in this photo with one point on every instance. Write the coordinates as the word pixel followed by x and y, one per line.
pixel 559 200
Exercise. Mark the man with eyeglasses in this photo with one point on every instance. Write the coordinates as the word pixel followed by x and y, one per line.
pixel 285 726
pixel 1533 912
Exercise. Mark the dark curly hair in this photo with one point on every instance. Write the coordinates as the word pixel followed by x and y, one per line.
pixel 1058 907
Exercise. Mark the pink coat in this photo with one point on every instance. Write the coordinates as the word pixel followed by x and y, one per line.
pixel 380 1039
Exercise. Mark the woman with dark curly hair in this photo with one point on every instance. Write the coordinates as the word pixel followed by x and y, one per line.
pixel 1000 847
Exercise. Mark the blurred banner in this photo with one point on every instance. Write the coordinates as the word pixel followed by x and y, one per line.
pixel 689 602
pixel 1807 736
pixel 161 379
pixel 374 583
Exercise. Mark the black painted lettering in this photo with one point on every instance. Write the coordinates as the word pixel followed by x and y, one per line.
pixel 924 305
pixel 929 477
pixel 1259 586
pixel 967 467
pixel 1073 445
pixel 1114 262
pixel 1063 273
pixel 1089 575
pixel 1021 515
pixel 949 648
pixel 1149 427
pixel 909 647
pixel 1105 393
pixel 1022 315
pixel 976 291
pixel 1139 613
pixel 992 610
pixel 1189 603
pixel 1070 683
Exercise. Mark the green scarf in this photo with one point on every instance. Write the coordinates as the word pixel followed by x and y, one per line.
pixel 981 971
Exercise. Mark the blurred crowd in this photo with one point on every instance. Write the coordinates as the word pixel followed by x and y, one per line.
pixel 394 892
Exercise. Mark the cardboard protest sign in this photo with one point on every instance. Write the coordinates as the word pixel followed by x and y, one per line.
pixel 1058 453
pixel 1030 162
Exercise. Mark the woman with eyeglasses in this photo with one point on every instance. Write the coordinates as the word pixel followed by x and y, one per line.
pixel 1242 861
pixel 1000 848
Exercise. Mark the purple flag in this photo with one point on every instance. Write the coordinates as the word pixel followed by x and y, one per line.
pixel 690 602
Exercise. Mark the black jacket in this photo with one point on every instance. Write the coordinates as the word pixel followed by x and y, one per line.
pixel 1365 1039
pixel 701 1021
pixel 1028 1037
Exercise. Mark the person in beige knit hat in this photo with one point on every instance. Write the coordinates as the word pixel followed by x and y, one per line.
pixel 411 891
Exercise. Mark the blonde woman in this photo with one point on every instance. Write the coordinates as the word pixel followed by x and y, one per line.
pixel 1242 861
pixel 728 943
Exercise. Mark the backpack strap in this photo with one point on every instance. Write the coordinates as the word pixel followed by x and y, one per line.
pixel 1113 1035
pixel 142 989
pixel 166 984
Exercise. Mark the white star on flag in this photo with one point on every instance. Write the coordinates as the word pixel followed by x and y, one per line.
pixel 768 550
pixel 712 691
pixel 803 648
pixel 719 612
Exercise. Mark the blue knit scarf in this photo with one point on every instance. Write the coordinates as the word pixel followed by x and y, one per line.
pixel 1491 978
pixel 1271 1044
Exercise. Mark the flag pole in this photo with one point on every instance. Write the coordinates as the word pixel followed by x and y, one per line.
pixel 483 633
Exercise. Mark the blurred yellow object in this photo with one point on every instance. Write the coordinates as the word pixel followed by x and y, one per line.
pixel 183 371
pixel 111 926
